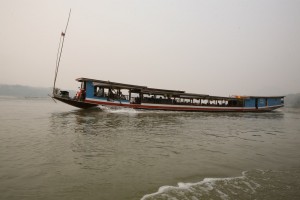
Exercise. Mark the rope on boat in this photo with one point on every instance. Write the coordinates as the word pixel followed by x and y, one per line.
pixel 59 52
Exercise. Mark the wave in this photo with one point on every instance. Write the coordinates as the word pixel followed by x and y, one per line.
pixel 208 188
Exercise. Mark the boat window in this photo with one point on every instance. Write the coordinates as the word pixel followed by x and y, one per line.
pixel 106 91
pixel 98 91
pixel 83 85
pixel 124 94
pixel 195 101
pixel 236 103
pixel 135 98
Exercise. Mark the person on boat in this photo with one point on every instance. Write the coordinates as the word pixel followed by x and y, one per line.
pixel 122 96
pixel 80 95
pixel 100 92
pixel 77 95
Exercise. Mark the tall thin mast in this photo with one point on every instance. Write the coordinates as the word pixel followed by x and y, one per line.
pixel 60 48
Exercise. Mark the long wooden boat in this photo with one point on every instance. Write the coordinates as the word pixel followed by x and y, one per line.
pixel 97 92
pixel 93 93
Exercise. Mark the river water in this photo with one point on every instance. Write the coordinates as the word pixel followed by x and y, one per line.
pixel 54 151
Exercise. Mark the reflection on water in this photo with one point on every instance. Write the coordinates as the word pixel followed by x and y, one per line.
pixel 97 118
pixel 96 121
pixel 166 133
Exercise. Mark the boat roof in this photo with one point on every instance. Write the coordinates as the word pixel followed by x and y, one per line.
pixel 161 91
pixel 143 89
pixel 248 97
pixel 174 93
pixel 111 84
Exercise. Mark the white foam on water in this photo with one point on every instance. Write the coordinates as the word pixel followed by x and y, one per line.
pixel 161 190
pixel 203 187
pixel 249 186
pixel 118 110
pixel 123 110
pixel 222 195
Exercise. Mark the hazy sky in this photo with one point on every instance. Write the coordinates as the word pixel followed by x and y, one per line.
pixel 216 47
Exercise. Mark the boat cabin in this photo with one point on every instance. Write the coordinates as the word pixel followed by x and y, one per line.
pixel 135 96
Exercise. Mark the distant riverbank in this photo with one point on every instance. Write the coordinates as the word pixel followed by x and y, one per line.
pixel 291 100
pixel 26 91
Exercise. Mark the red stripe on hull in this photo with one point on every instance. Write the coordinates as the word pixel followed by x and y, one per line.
pixel 193 109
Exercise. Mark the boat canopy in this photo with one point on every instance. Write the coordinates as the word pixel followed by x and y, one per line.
pixel 248 97
pixel 171 93
pixel 154 91
pixel 111 84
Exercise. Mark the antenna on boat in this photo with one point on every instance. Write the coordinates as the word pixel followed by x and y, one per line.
pixel 59 52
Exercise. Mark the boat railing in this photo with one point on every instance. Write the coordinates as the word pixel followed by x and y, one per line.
pixel 157 101
pixel 170 101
